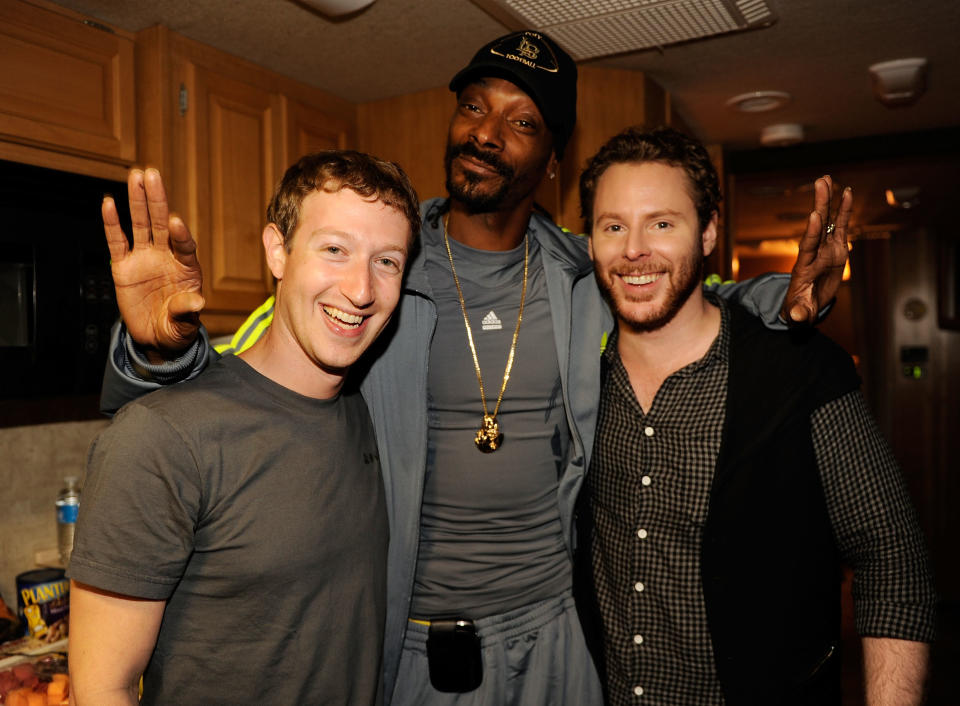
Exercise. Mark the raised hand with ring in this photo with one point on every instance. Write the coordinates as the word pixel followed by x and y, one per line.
pixel 818 271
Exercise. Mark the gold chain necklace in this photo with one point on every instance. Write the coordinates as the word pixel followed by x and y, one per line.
pixel 489 437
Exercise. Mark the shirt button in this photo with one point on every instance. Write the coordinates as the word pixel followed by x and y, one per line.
pixel 638 690
pixel 638 639
pixel 638 586
pixel 648 431
pixel 642 533
pixel 646 480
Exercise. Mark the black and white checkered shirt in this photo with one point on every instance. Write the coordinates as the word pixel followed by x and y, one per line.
pixel 650 483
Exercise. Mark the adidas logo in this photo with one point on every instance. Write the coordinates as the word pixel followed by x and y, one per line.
pixel 491 322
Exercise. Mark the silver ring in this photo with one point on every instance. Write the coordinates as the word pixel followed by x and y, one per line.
pixel 830 228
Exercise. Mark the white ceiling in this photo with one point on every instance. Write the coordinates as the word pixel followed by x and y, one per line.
pixel 818 51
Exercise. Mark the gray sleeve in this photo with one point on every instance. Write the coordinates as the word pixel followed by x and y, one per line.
pixel 874 522
pixel 141 502
pixel 128 374
pixel 762 296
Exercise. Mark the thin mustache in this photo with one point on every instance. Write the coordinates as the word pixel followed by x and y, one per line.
pixel 487 158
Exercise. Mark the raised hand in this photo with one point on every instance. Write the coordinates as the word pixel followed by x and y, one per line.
pixel 818 270
pixel 158 279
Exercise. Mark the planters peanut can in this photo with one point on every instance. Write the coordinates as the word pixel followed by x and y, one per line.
pixel 43 603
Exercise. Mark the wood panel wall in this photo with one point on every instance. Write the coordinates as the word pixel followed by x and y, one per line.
pixel 608 100
pixel 925 417
pixel 410 130
pixel 919 416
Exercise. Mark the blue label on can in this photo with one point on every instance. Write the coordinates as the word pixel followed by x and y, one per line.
pixel 67 514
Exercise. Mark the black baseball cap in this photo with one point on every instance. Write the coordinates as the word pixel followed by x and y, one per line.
pixel 535 63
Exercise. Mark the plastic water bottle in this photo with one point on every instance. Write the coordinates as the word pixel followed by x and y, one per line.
pixel 68 504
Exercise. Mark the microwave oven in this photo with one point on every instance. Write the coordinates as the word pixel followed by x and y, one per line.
pixel 57 302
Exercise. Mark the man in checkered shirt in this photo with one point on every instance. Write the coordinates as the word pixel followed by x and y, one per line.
pixel 734 470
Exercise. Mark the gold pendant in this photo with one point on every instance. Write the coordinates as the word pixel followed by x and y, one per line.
pixel 488 437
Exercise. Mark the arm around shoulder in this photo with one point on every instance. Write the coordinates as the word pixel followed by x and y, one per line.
pixel 806 294
pixel 111 640
pixel 761 296
pixel 129 375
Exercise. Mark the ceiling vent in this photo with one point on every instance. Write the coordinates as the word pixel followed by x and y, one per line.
pixel 592 28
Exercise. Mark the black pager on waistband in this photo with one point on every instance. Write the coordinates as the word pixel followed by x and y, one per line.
pixel 453 651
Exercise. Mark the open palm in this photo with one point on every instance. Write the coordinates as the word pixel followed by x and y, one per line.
pixel 818 270
pixel 158 279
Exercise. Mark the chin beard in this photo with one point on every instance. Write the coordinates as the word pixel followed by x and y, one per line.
pixel 474 200
pixel 689 275
pixel 470 191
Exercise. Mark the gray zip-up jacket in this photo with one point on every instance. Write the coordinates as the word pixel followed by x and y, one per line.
pixel 395 389
pixel 394 385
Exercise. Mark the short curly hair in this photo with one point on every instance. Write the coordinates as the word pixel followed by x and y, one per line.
pixel 665 145
pixel 333 170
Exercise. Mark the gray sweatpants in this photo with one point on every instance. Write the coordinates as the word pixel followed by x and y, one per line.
pixel 532 656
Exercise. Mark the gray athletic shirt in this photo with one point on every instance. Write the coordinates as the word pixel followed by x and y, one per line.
pixel 259 516
pixel 490 535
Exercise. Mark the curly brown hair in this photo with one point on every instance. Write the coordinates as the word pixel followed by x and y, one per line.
pixel 333 170
pixel 665 145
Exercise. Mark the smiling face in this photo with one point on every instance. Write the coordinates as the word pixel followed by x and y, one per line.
pixel 339 277
pixel 646 245
pixel 498 146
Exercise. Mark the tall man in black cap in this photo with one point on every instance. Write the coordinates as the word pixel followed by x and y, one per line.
pixel 481 477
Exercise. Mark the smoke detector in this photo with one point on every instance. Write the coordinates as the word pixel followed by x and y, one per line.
pixel 899 82
pixel 591 28
pixel 781 135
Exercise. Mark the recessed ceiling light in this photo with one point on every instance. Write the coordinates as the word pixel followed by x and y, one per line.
pixel 335 8
pixel 759 101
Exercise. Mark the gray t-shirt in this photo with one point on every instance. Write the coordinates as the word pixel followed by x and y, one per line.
pixel 491 538
pixel 259 516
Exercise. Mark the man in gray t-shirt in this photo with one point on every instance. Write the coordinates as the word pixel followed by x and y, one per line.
pixel 232 543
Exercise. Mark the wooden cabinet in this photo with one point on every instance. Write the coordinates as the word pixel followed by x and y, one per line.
pixel 233 134
pixel 310 130
pixel 66 85
pixel 78 96
pixel 222 132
